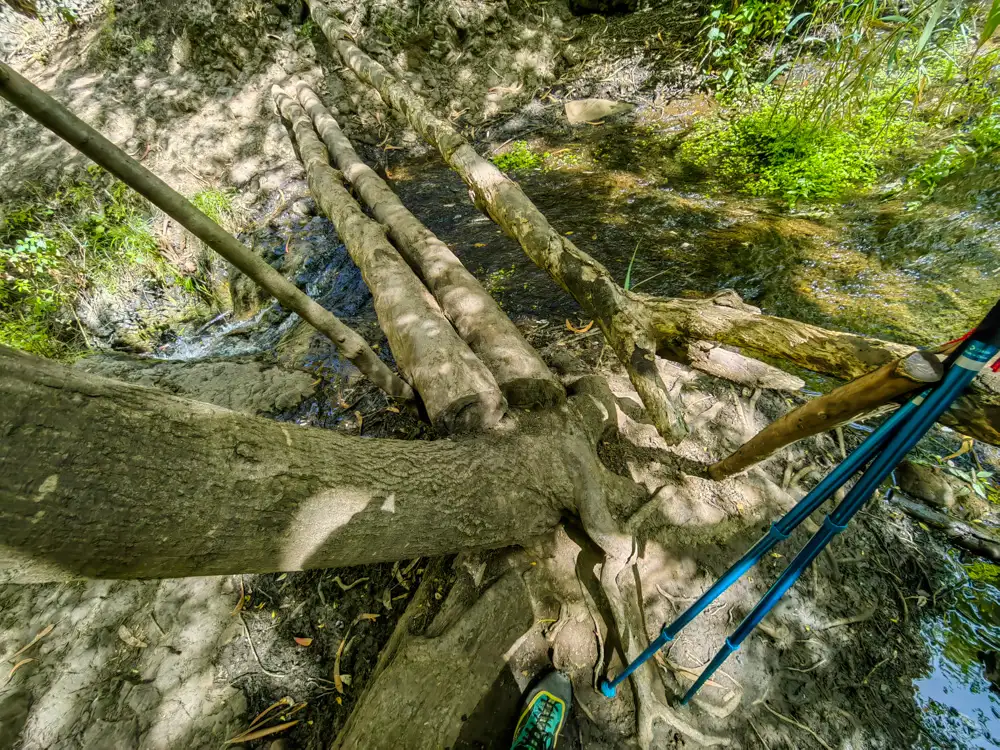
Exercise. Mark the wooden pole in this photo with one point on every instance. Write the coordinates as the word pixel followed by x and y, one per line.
pixel 840 405
pixel 459 393
pixel 30 99
pixel 519 371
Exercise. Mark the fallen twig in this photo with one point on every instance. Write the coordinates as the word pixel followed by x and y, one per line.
pixel 794 723
pixel 253 648
pixel 853 620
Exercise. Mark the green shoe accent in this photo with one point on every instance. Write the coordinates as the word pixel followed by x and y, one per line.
pixel 544 716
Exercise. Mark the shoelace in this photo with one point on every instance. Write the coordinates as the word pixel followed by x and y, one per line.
pixel 539 735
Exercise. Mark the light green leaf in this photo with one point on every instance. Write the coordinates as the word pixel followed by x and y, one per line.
pixel 992 21
pixel 795 21
pixel 777 72
pixel 932 22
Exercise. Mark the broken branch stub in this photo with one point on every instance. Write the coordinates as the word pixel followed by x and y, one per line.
pixel 520 372
pixel 36 103
pixel 459 393
pixel 841 405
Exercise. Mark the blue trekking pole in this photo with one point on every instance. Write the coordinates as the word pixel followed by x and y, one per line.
pixel 897 436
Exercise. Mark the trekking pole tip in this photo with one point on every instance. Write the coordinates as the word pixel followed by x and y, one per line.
pixel 607 689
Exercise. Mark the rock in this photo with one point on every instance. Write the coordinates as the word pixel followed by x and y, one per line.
pixel 14 708
pixel 926 483
pixel 581 111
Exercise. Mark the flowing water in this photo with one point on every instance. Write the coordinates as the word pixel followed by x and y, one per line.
pixel 875 265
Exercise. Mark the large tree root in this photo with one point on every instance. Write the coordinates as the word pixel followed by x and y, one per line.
pixel 50 113
pixel 459 393
pixel 520 372
pixel 978 541
pixel 637 326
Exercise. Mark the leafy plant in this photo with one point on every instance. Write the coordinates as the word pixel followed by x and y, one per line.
pixel 216 204
pixel 518 158
pixel 769 152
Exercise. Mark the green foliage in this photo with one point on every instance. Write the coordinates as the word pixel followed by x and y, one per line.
pixel 518 158
pixel 496 282
pixel 963 150
pixel 732 30
pixel 145 47
pixel 306 30
pixel 215 204
pixel 58 243
pixel 769 152
pixel 984 572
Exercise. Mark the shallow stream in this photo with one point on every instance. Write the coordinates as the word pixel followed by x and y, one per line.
pixel 876 265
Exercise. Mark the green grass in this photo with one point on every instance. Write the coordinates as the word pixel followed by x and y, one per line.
pixel 84 236
pixel 216 204
pixel 518 158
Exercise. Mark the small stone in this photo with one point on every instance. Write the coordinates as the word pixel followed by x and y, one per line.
pixel 591 110
pixel 926 483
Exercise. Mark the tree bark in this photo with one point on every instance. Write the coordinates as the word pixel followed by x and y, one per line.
pixel 966 536
pixel 584 278
pixel 108 480
pixel 519 371
pixel 636 325
pixel 835 408
pixel 459 393
pixel 26 96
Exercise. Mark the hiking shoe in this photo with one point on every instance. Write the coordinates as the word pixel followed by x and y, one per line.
pixel 544 714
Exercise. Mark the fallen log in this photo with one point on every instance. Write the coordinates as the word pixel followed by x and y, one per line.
pixel 26 96
pixel 835 408
pixel 457 390
pixel 961 534
pixel 637 326
pixel 104 479
pixel 519 371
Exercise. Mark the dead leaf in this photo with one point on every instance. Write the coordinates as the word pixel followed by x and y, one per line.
pixel 304 642
pixel 366 616
pixel 262 733
pixel 41 634
pixel 360 418
pixel 387 599
pixel 282 577
pixel 243 599
pixel 259 718
pixel 346 679
pixel 393 409
pixel 338 681
pixel 479 244
pixel 16 667
pixel 574 329
pixel 341 403
pixel 129 638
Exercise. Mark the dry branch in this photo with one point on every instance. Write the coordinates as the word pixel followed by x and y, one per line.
pixel 458 391
pixel 637 325
pixel 26 96
pixel 519 371
pixel 978 541
pixel 835 408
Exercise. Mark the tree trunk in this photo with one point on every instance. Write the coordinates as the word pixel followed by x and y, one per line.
pixel 835 408
pixel 519 371
pixel 459 393
pixel 26 96
pixel 637 325
pixel 108 480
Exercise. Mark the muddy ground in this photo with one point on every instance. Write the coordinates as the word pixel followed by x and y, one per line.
pixel 190 663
